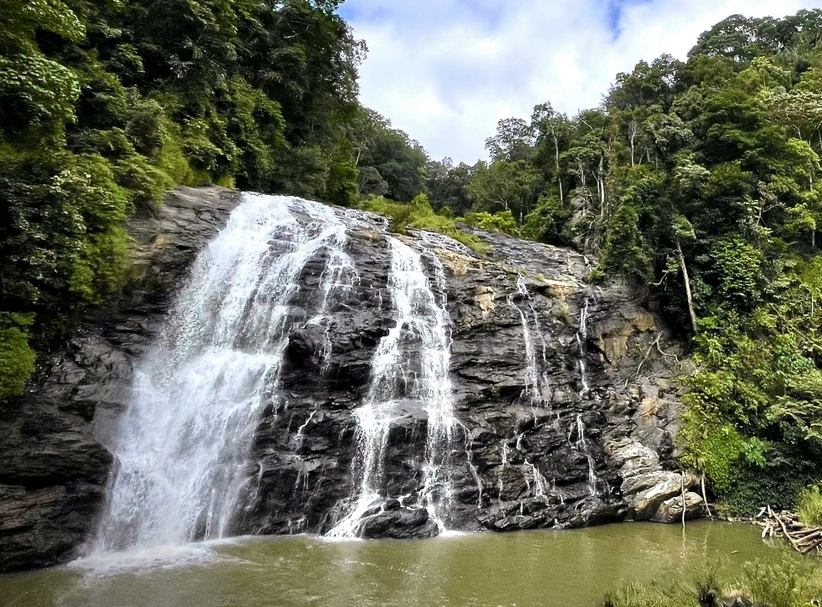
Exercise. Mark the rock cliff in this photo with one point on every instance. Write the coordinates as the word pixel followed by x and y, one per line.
pixel 565 393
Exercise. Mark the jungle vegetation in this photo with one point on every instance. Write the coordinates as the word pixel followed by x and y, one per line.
pixel 699 182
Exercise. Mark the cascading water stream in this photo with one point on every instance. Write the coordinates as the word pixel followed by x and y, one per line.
pixel 582 342
pixel 536 382
pixel 469 458
pixel 423 322
pixel 540 487
pixel 338 280
pixel 581 445
pixel 182 455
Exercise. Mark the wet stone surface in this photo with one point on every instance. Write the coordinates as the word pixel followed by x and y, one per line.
pixel 565 407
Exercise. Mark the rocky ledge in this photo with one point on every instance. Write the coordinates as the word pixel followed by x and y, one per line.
pixel 565 393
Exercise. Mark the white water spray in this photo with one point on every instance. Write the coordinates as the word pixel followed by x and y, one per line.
pixel 182 456
pixel 581 445
pixel 582 342
pixel 536 381
pixel 402 373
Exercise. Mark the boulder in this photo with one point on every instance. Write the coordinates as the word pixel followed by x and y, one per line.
pixel 647 502
pixel 670 511
pixel 399 523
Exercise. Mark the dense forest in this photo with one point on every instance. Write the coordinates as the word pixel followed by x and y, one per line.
pixel 697 181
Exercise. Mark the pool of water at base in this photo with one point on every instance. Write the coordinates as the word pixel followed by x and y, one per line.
pixel 534 568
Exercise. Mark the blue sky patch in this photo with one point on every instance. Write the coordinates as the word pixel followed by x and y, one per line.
pixel 614 13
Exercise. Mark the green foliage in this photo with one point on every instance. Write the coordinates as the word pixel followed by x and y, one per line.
pixel 105 105
pixel 418 214
pixel 739 266
pixel 36 92
pixel 704 589
pixel 504 186
pixel 809 507
pixel 784 582
pixel 501 221
pixel 390 163
pixel 446 185
pixel 717 452
pixel 626 254
pixel 656 594
pixel 547 222
pixel 16 357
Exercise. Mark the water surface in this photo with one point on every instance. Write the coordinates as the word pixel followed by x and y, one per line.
pixel 538 568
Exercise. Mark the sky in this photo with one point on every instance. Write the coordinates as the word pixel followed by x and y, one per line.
pixel 445 71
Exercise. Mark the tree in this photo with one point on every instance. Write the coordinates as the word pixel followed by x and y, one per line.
pixel 447 185
pixel 553 129
pixel 390 163
pixel 504 186
pixel 105 105
pixel 514 140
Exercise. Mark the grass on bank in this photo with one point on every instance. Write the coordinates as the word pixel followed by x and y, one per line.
pixel 787 582
pixel 809 508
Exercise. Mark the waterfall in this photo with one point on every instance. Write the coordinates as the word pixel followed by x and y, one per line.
pixel 536 383
pixel 582 342
pixel 338 280
pixel 182 457
pixel 540 484
pixel 411 363
pixel 581 445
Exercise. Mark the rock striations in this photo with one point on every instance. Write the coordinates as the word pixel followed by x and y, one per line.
pixel 564 398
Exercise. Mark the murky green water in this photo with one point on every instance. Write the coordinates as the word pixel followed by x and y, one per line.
pixel 540 568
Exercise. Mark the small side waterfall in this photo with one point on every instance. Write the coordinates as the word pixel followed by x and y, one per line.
pixel 540 485
pixel 411 364
pixel 338 280
pixel 182 456
pixel 536 383
pixel 582 342
pixel 581 445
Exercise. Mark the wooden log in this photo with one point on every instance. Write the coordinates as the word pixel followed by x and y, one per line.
pixel 807 549
pixel 787 535
pixel 803 539
pixel 810 536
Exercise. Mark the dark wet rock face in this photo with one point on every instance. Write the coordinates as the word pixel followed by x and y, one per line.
pixel 564 395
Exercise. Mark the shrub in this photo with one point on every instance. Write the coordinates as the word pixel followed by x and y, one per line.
pixel 419 215
pixel 784 583
pixel 502 221
pixel 16 357
pixel 772 583
pixel 634 594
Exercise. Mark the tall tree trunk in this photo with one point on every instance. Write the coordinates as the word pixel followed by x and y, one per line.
pixel 601 184
pixel 556 164
pixel 687 287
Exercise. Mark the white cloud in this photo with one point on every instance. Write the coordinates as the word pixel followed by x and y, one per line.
pixel 446 71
